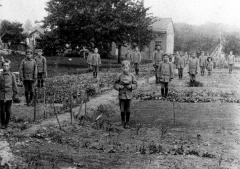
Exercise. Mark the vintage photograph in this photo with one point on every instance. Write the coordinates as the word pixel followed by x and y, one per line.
pixel 119 84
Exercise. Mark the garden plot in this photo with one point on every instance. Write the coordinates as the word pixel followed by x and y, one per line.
pixel 164 133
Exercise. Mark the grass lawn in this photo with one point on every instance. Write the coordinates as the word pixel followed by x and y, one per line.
pixel 63 65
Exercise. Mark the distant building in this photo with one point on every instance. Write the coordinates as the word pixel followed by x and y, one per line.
pixel 33 37
pixel 163 30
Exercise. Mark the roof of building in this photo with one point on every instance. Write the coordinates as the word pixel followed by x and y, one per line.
pixel 36 31
pixel 161 24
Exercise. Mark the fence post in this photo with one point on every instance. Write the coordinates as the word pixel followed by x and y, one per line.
pixel 35 104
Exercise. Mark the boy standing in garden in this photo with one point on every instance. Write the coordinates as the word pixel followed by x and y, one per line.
pixel 136 59
pixel 96 62
pixel 157 58
pixel 165 75
pixel 41 68
pixel 28 75
pixel 89 61
pixel 8 91
pixel 202 63
pixel 125 84
pixel 193 67
pixel 209 65
pixel 231 60
pixel 180 64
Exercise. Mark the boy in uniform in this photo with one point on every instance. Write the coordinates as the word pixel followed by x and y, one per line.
pixel 157 58
pixel 202 63
pixel 231 60
pixel 180 64
pixel 209 65
pixel 28 75
pixel 8 91
pixel 41 68
pixel 96 62
pixel 136 59
pixel 165 75
pixel 125 84
pixel 193 67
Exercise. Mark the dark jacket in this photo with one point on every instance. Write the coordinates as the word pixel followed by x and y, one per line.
pixel 8 86
pixel 125 80
pixel 41 65
pixel 28 69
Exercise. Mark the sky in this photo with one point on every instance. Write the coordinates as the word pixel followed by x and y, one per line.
pixel 189 11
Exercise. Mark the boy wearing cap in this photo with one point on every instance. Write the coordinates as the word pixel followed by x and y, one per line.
pixel 96 62
pixel 28 75
pixel 231 60
pixel 157 58
pixel 165 74
pixel 136 59
pixel 8 91
pixel 202 63
pixel 41 68
pixel 180 64
pixel 193 67
pixel 125 84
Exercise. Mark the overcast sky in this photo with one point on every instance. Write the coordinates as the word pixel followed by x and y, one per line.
pixel 189 11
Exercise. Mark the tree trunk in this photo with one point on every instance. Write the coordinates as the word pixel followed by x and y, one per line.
pixel 119 53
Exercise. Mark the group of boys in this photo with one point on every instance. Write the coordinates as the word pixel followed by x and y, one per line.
pixel 32 71
pixel 94 62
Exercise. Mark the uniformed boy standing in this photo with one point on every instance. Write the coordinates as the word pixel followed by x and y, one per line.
pixel 28 75
pixel 193 67
pixel 202 63
pixel 136 59
pixel 96 62
pixel 157 58
pixel 180 64
pixel 125 84
pixel 209 65
pixel 165 75
pixel 8 91
pixel 89 61
pixel 41 68
pixel 231 60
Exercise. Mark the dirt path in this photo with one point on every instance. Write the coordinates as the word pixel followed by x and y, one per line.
pixel 109 98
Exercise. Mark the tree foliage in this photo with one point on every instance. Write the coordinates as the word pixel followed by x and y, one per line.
pixel 206 37
pixel 97 23
pixel 11 32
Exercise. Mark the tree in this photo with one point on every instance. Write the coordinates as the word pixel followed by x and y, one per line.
pixel 11 32
pixel 101 22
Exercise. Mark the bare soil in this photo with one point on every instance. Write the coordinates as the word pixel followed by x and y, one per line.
pixel 163 133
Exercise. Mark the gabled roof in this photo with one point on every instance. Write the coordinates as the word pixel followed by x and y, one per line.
pixel 36 31
pixel 161 24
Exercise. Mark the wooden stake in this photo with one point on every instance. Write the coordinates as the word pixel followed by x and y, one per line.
pixel 55 112
pixel 174 122
pixel 35 104
pixel 71 113
pixel 44 103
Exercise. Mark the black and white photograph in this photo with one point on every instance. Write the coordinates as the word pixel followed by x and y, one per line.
pixel 119 84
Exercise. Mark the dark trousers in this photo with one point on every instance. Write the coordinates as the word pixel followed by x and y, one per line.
pixel 95 71
pixel 125 109
pixel 136 67
pixel 164 89
pixel 202 70
pixel 180 73
pixel 230 68
pixel 192 77
pixel 40 80
pixel 209 72
pixel 5 110
pixel 28 86
pixel 156 69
